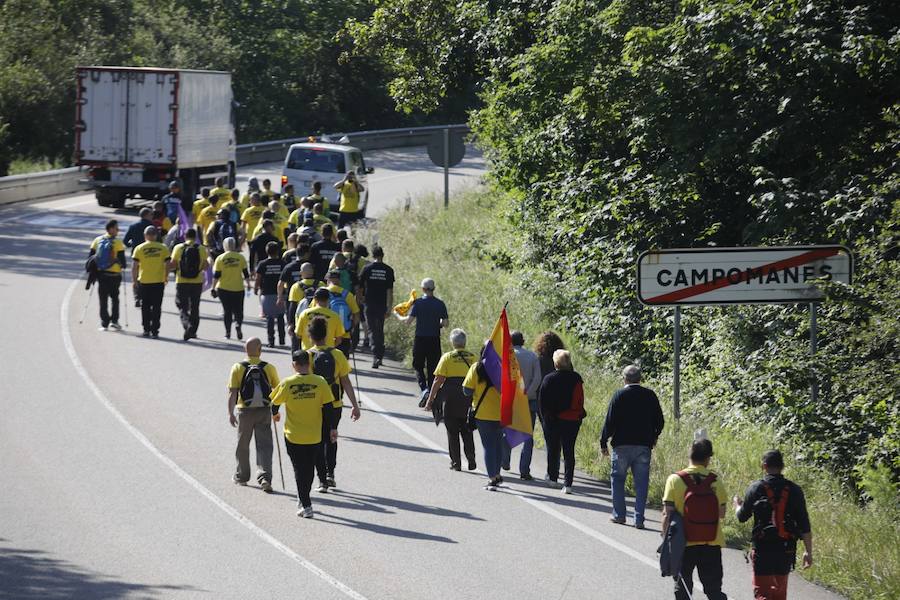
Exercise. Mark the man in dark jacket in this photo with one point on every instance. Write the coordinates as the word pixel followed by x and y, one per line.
pixel 634 421
pixel 778 508
pixel 134 237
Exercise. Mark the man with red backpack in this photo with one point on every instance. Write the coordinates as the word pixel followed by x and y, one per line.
pixel 697 494
pixel 779 515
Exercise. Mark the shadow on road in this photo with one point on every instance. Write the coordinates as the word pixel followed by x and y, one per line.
pixel 28 573
pixel 392 445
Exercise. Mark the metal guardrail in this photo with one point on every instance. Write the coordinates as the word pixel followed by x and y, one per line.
pixel 47 184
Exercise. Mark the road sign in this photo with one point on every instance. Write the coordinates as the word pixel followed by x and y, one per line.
pixel 740 275
pixel 436 148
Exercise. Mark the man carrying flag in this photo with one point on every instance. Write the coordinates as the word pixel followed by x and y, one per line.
pixel 499 402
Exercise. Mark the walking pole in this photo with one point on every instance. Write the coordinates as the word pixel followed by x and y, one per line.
pixel 356 373
pixel 278 446
pixel 684 587
pixel 84 312
pixel 125 300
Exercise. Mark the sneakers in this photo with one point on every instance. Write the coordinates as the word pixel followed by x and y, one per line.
pixel 639 525
pixel 146 334
pixel 455 467
pixel 365 343
pixel 617 520
pixel 266 486
pixel 236 481
pixel 154 335
pixel 306 512
pixel 472 465
pixel 237 330
pixel 329 481
pixel 491 487
pixel 375 363
pixel 566 490
pixel 424 399
pixel 270 344
pixel 102 328
pixel 552 482
pixel 187 335
pixel 115 326
pixel 323 488
pixel 526 477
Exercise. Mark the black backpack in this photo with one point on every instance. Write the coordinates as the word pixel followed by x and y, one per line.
pixel 223 231
pixel 325 367
pixel 189 264
pixel 255 386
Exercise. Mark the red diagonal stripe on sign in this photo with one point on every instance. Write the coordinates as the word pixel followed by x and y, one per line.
pixel 702 288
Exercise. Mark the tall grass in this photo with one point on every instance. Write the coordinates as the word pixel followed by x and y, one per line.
pixel 22 166
pixel 467 250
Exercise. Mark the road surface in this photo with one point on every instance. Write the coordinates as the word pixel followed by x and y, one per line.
pixel 118 458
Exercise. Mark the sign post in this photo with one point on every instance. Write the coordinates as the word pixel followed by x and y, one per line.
pixel 712 276
pixel 446 151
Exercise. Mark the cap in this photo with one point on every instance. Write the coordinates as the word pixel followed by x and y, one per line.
pixel 428 283
pixel 174 184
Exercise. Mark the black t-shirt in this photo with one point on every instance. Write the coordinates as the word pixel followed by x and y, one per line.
pixel 270 269
pixel 377 280
pixel 320 256
pixel 258 246
pixel 290 274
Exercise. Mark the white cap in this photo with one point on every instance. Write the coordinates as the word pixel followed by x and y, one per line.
pixel 428 283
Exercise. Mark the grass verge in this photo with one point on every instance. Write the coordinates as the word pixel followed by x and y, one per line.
pixel 471 252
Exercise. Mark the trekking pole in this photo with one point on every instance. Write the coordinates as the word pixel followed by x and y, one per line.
pixel 356 373
pixel 125 300
pixel 278 446
pixel 685 587
pixel 87 302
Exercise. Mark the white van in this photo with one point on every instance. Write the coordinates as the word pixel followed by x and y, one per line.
pixel 311 161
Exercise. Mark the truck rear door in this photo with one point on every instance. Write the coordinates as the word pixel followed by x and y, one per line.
pixel 102 109
pixel 151 128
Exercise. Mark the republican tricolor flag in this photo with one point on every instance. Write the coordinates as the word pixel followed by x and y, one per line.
pixel 503 369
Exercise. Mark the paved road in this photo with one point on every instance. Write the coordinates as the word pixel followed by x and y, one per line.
pixel 117 455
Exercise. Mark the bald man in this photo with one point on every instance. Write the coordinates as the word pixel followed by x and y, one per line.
pixel 250 384
pixel 150 263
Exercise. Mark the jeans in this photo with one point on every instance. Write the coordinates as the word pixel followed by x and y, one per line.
pixel 254 423
pixel 375 319
pixel 233 305
pixel 708 562
pixel 527 451
pixel 425 356
pixel 151 305
pixel 303 458
pixel 188 295
pixel 108 289
pixel 636 458
pixel 561 435
pixel 326 461
pixel 492 439
pixel 456 428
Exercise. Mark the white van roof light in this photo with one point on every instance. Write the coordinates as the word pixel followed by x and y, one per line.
pixel 344 140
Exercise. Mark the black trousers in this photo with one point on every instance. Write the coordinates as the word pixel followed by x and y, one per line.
pixel 375 319
pixel 327 459
pixel 233 305
pixel 456 429
pixel 151 305
pixel 188 295
pixel 270 328
pixel 708 562
pixel 426 354
pixel 560 434
pixel 303 458
pixel 108 290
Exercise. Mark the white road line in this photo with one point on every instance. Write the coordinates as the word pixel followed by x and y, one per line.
pixel 542 506
pixel 211 496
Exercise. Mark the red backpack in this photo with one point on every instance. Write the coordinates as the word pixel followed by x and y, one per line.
pixel 701 508
pixel 775 527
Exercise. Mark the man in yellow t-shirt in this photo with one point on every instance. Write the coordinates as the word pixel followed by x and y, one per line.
pixel 451 371
pixel 250 388
pixel 220 192
pixel 199 204
pixel 231 277
pixel 299 298
pixel 207 217
pixel 316 197
pixel 350 190
pixel 702 515
pixel 335 329
pixel 252 216
pixel 308 414
pixel 267 192
pixel 189 263
pixel 332 364
pixel 109 251
pixel 486 400
pixel 150 270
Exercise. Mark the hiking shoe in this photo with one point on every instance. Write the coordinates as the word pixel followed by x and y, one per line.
pixel 506 467
pixel 102 328
pixel 379 361
pixel 154 335
pixel 323 488
pixel 526 477
pixel 270 344
pixel 472 465
pixel 639 525
pixel 552 482
pixel 236 481
pixel 329 481
pixel 491 487
pixel 566 490
pixel 455 467
pixel 306 512
pixel 240 334
pixel 266 486
pixel 115 326
pixel 146 334
pixel 617 520
pixel 375 364
pixel 424 399
pixel 187 335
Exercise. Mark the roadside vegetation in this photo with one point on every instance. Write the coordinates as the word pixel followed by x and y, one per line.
pixel 476 255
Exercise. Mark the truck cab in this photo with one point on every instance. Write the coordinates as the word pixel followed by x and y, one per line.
pixel 328 163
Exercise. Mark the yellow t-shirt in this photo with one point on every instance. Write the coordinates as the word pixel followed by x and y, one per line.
pixel 152 257
pixel 222 193
pixel 269 194
pixel 351 298
pixel 456 364
pixel 280 225
pixel 349 198
pixel 674 493
pixel 177 251
pixel 294 219
pixel 320 221
pixel 251 217
pixel 207 218
pixel 283 213
pixel 118 246
pixel 297 293
pixel 303 397
pixel 237 374
pixel 335 327
pixel 316 198
pixel 490 406
pixel 231 265
pixel 341 369
pixel 198 207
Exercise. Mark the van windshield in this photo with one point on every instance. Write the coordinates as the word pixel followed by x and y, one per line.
pixel 316 159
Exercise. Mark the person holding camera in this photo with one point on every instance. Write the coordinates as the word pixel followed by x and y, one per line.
pixel 350 189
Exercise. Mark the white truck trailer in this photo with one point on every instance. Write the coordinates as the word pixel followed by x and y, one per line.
pixel 136 129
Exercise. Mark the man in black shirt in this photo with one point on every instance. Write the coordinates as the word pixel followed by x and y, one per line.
pixel 778 508
pixel 634 421
pixel 323 251
pixel 268 272
pixel 258 247
pixel 377 281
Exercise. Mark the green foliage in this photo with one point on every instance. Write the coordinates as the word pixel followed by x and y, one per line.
pixel 856 549
pixel 21 166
